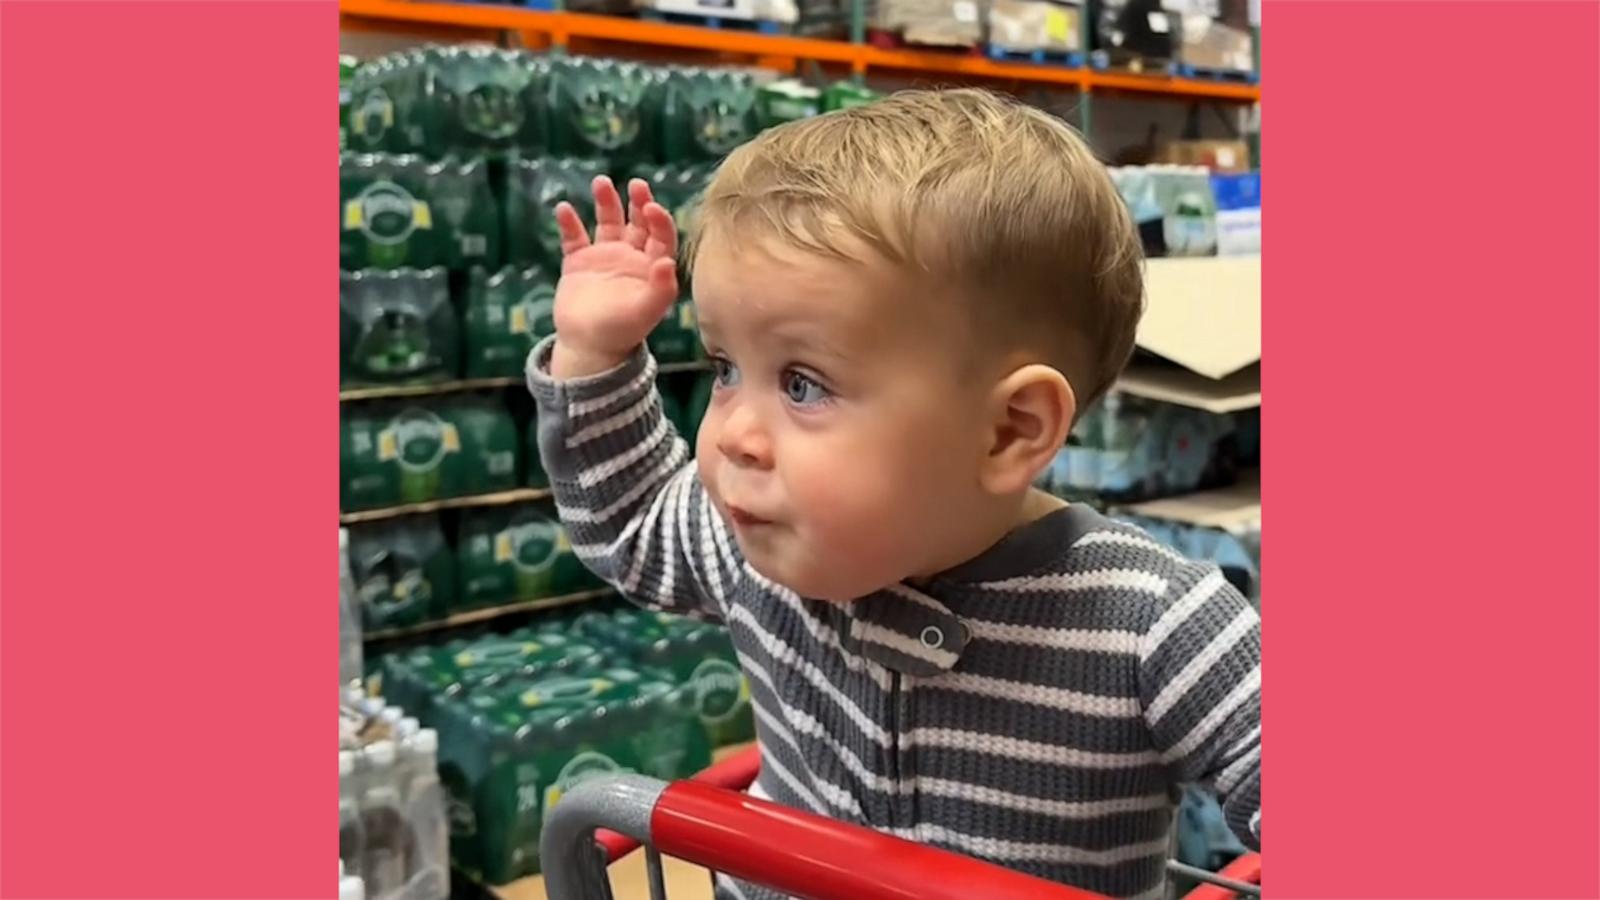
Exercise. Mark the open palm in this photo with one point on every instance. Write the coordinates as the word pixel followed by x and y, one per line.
pixel 617 286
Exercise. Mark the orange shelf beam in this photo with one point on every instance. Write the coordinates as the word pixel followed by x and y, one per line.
pixel 776 51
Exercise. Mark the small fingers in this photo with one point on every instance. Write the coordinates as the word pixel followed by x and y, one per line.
pixel 574 236
pixel 609 223
pixel 638 198
pixel 663 232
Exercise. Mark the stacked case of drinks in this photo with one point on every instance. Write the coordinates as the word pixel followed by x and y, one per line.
pixel 406 572
pixel 393 834
pixel 455 157
pixel 1129 448
pixel 525 716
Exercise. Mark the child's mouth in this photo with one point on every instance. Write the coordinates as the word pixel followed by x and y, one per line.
pixel 744 518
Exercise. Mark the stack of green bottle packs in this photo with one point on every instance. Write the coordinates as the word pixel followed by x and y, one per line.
pixel 521 552
pixel 507 312
pixel 525 716
pixel 405 451
pixel 691 652
pixel 397 326
pixel 407 572
pixel 404 572
pixel 481 101
pixel 452 159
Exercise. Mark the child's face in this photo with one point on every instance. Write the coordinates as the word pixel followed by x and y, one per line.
pixel 841 445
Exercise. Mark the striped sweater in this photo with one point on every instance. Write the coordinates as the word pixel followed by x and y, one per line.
pixel 1036 707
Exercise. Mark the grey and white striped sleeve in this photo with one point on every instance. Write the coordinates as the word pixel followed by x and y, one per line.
pixel 626 488
pixel 1200 688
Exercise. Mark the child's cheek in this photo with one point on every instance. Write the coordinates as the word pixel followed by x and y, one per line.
pixel 841 503
pixel 706 454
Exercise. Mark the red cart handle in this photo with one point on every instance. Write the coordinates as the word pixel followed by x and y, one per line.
pixel 706 822
pixel 807 855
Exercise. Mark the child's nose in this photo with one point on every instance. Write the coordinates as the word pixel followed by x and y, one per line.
pixel 742 440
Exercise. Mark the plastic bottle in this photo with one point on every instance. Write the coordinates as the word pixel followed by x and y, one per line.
pixel 349 618
pixel 352 839
pixel 383 821
pixel 390 717
pixel 428 873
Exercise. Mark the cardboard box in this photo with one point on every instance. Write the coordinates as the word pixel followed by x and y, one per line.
pixel 1219 156
pixel 1028 25
pixel 936 23
pixel 1209 44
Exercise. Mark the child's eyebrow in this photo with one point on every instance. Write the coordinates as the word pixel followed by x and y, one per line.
pixel 809 338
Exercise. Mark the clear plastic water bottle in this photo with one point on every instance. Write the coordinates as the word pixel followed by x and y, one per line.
pixel 372 707
pixel 352 838
pixel 429 874
pixel 391 716
pixel 352 888
pixel 388 839
pixel 349 621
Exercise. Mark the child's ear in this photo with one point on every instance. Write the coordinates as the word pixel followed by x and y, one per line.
pixel 1032 410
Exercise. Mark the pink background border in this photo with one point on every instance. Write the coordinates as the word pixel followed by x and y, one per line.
pixel 167 482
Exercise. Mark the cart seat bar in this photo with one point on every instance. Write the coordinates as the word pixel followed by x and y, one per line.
pixel 1246 869
pixel 816 858
pixel 735 773
pixel 574 865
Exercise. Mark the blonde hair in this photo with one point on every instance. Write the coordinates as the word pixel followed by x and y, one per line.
pixel 1000 200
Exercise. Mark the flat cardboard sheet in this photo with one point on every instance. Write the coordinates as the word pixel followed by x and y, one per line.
pixel 1203 313
pixel 1171 384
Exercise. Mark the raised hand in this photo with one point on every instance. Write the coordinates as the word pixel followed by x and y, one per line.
pixel 616 287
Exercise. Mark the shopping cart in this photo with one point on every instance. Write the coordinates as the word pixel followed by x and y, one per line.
pixel 709 822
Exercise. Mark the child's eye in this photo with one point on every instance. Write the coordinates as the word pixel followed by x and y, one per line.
pixel 803 390
pixel 725 372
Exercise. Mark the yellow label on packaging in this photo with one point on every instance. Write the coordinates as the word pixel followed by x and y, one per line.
pixel 1055 25
pixel 503 551
pixel 452 438
pixel 352 215
pixel 519 319
pixel 388 446
pixel 421 217
pixel 686 316
pixel 563 543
